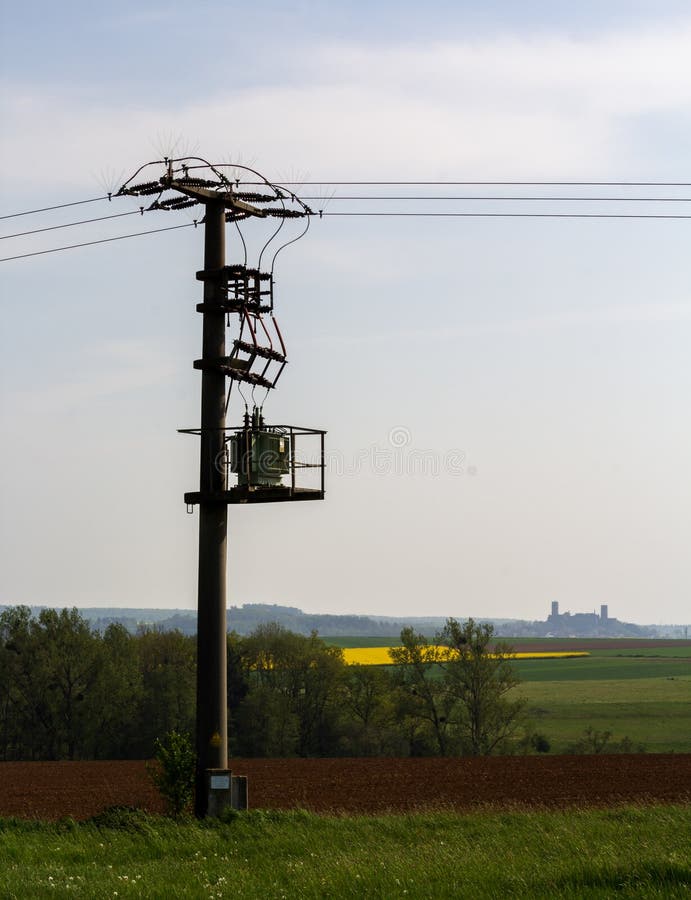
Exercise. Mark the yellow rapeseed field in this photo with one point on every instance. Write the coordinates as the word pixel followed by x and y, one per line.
pixel 379 656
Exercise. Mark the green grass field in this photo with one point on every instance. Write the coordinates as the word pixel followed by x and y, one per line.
pixel 654 712
pixel 598 668
pixel 640 693
pixel 643 693
pixel 626 851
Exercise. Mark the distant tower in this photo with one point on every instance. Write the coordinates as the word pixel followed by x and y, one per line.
pixel 555 610
pixel 603 614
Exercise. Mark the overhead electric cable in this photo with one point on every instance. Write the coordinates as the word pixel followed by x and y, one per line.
pixel 500 183
pixel 120 237
pixel 363 213
pixel 30 212
pixel 520 199
pixel 133 212
pixel 503 215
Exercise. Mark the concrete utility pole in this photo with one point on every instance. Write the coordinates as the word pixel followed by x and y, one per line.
pixel 263 454
pixel 212 715
pixel 215 787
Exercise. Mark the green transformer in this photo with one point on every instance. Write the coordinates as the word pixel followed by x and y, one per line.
pixel 259 458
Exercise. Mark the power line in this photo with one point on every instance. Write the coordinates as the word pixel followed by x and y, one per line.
pixel 133 212
pixel 503 215
pixel 373 198
pixel 519 199
pixel 452 215
pixel 497 183
pixel 120 237
pixel 29 212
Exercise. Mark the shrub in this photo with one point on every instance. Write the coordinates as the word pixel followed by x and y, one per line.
pixel 540 742
pixel 174 771
pixel 594 741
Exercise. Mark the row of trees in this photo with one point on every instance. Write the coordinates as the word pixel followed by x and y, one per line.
pixel 69 692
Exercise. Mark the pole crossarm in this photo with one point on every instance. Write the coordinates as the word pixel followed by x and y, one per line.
pixel 205 195
pixel 189 178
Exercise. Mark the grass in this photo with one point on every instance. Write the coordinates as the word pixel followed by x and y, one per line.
pixel 653 712
pixel 597 668
pixel 633 851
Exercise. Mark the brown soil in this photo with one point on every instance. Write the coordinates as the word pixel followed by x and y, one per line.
pixel 536 646
pixel 50 790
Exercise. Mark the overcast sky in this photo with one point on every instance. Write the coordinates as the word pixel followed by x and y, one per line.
pixel 507 400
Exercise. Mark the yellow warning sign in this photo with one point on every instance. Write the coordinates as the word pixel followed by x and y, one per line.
pixel 215 739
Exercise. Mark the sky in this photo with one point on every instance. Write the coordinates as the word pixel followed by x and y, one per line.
pixel 507 400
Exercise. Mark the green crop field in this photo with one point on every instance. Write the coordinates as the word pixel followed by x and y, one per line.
pixel 653 712
pixel 641 692
pixel 598 668
pixel 633 851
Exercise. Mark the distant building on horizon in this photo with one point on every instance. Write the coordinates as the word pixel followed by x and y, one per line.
pixel 588 624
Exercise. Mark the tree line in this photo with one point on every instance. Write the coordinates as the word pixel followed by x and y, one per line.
pixel 70 692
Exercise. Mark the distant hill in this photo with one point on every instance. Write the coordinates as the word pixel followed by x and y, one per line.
pixel 244 619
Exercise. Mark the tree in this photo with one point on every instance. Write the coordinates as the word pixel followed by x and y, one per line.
pixel 428 697
pixel 52 664
pixel 168 672
pixel 302 675
pixel 70 652
pixel 370 722
pixel 115 705
pixel 15 698
pixel 478 675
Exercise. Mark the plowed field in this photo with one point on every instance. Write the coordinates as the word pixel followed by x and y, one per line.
pixel 525 645
pixel 50 790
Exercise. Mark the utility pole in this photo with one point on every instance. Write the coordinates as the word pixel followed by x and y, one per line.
pixel 212 703
pixel 263 457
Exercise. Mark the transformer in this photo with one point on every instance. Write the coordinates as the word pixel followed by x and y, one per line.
pixel 259 456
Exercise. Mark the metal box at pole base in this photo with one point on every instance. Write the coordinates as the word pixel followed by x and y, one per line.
pixel 225 791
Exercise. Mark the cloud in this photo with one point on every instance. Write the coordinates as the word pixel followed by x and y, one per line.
pixel 547 107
